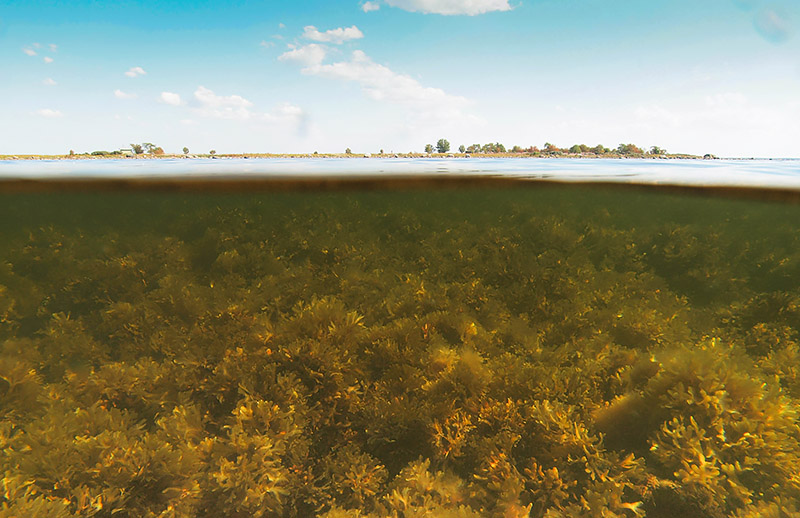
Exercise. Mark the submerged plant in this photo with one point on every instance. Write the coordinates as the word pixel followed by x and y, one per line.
pixel 502 353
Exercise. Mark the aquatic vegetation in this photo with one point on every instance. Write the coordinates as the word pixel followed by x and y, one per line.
pixel 552 352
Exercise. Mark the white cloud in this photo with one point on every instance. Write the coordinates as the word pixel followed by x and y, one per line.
pixel 119 94
pixel 47 59
pixel 222 107
pixel 726 124
pixel 383 84
pixel 48 113
pixel 207 104
pixel 281 26
pixel 267 44
pixel 135 71
pixel 29 51
pixel 370 6
pixel 170 98
pixel 726 100
pixel 53 47
pixel 49 82
pixel 337 36
pixel 309 55
pixel 451 7
pixel 288 113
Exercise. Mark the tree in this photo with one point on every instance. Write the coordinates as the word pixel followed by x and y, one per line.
pixel 655 150
pixel 629 149
pixel 149 147
pixel 462 149
pixel 551 148
pixel 429 148
pixel 137 149
pixel 185 150
pixel 347 151
pixel 212 152
pixel 443 146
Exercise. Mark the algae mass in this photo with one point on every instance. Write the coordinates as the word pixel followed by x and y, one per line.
pixel 512 351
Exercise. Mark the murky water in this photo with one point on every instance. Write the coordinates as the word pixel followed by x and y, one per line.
pixel 484 350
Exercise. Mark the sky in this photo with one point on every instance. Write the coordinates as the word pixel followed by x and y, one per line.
pixel 275 76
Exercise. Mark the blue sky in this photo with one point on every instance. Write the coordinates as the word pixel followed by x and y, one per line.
pixel 718 76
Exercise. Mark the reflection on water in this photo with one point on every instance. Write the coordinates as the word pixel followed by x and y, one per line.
pixel 528 351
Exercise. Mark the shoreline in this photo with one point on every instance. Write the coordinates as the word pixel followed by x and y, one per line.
pixel 367 156
pixel 353 156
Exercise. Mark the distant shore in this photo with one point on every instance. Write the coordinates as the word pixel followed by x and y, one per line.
pixel 356 156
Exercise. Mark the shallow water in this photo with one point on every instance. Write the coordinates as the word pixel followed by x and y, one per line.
pixel 496 350
pixel 779 174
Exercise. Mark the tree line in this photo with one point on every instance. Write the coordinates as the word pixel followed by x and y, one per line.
pixel 443 146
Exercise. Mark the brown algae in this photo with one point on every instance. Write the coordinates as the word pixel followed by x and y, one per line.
pixel 546 352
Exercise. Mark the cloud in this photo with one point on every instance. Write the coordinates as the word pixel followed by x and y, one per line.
pixel 135 71
pixel 773 24
pixel 29 51
pixel 288 113
pixel 49 82
pixel 119 94
pixel 170 98
pixel 47 59
pixel 726 100
pixel 48 113
pixel 53 47
pixel 451 7
pixel 370 6
pixel 222 107
pixel 337 36
pixel 281 26
pixel 207 104
pixel 381 83
pixel 267 44
pixel 725 123
pixel 309 55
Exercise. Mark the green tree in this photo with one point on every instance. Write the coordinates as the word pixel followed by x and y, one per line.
pixel 212 152
pixel 149 147
pixel 348 151
pixel 655 150
pixel 137 149
pixel 429 148
pixel 443 146
pixel 185 150
pixel 462 149
pixel 629 149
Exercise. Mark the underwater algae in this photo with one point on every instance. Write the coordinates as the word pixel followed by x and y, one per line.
pixel 510 352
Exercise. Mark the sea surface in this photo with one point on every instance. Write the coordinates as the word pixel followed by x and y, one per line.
pixel 621 339
pixel 778 173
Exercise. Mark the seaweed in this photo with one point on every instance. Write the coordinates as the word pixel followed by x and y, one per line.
pixel 511 353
